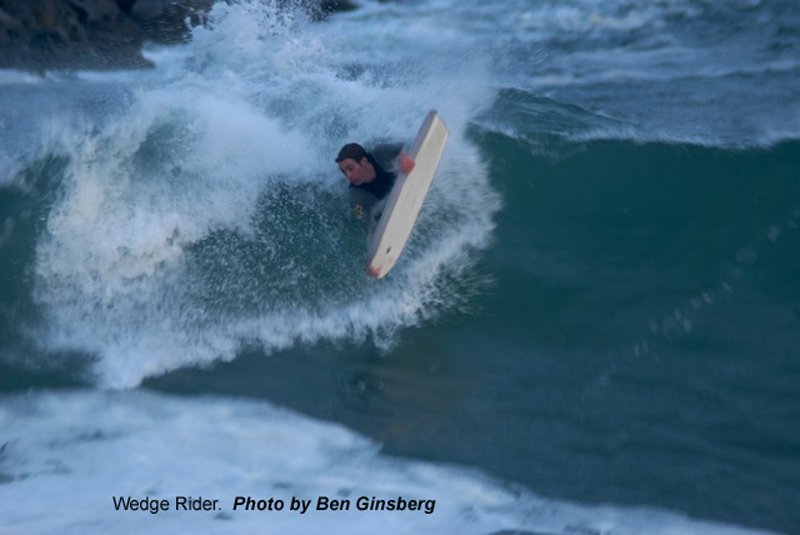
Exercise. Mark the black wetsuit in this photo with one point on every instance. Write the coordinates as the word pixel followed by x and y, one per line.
pixel 384 180
pixel 365 199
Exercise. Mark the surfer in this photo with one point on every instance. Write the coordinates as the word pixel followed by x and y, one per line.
pixel 371 176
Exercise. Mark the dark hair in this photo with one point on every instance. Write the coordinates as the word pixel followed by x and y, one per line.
pixel 353 151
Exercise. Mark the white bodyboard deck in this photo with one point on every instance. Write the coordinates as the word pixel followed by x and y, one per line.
pixel 406 197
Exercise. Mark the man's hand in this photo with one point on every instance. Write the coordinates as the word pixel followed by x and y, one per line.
pixel 405 162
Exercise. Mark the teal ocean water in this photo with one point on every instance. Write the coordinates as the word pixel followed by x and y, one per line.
pixel 594 330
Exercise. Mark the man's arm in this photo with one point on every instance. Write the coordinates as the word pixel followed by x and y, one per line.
pixel 392 157
pixel 405 162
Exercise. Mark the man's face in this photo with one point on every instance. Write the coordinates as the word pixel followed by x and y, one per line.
pixel 357 173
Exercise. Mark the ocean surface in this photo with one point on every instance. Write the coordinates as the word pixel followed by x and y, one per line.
pixel 595 329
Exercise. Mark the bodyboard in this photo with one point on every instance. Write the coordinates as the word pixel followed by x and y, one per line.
pixel 406 197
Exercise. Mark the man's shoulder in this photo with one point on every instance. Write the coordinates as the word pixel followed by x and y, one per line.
pixel 385 154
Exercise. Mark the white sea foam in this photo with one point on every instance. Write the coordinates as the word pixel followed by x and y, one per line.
pixel 258 102
pixel 66 456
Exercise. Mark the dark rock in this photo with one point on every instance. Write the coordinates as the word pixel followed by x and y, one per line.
pixel 105 34
pixel 126 5
pixel 9 28
pixel 95 11
pixel 336 6
pixel 68 34
pixel 41 20
pixel 169 21
pixel 321 9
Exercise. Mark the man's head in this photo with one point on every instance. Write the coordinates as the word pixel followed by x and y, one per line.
pixel 355 165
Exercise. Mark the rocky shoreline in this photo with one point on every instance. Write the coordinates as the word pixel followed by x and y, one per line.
pixel 40 35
